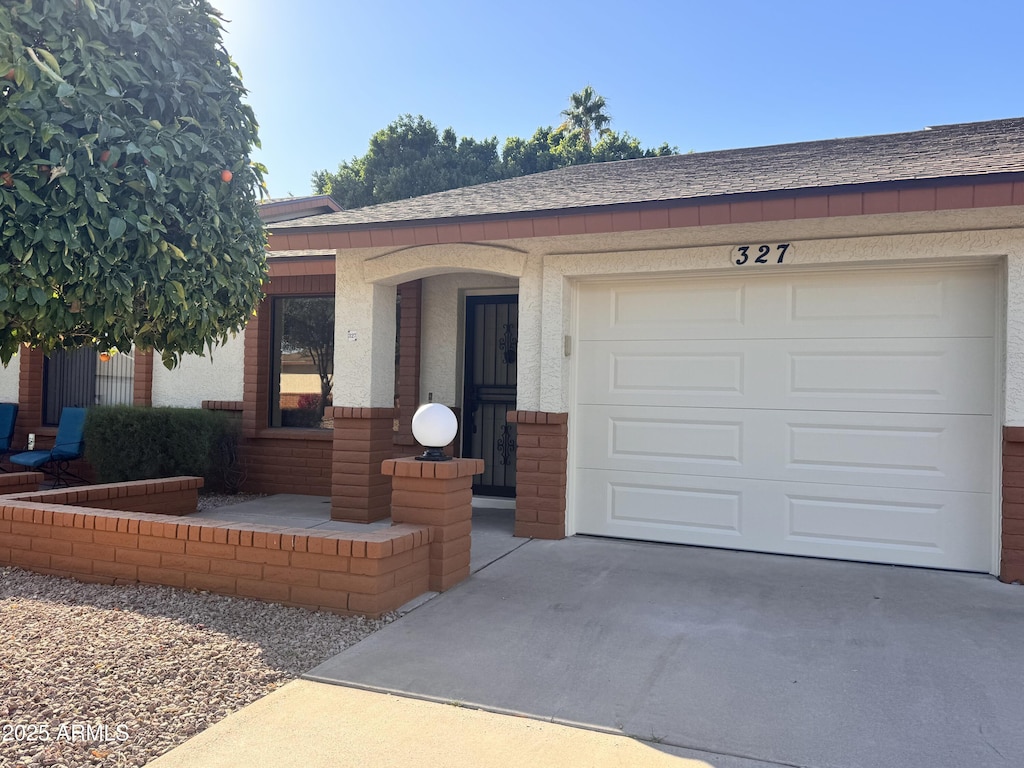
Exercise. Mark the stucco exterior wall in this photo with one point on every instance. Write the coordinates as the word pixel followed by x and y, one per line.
pixel 443 321
pixel 216 377
pixel 545 269
pixel 9 381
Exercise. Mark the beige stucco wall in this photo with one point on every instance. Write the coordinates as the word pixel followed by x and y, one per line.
pixel 213 377
pixel 546 270
pixel 9 381
pixel 443 330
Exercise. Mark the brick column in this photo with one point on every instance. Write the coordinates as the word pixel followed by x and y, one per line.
pixel 363 439
pixel 30 393
pixel 438 494
pixel 407 376
pixel 1012 566
pixel 542 456
pixel 256 372
pixel 142 394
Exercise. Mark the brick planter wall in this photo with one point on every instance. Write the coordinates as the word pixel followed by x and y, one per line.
pixel 542 455
pixel 368 574
pixel 19 482
pixel 165 496
pixel 1012 565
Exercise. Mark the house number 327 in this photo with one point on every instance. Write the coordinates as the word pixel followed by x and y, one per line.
pixel 760 254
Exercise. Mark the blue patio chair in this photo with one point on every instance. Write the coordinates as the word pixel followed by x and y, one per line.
pixel 8 416
pixel 68 446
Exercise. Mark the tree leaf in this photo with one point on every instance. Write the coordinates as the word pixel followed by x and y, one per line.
pixel 116 227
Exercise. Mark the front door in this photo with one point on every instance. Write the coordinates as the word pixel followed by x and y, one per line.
pixel 492 330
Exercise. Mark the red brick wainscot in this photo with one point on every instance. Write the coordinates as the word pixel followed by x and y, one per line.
pixel 1012 566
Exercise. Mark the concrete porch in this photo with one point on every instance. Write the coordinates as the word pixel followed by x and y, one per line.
pixel 492 536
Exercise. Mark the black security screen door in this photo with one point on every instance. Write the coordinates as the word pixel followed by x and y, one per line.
pixel 492 331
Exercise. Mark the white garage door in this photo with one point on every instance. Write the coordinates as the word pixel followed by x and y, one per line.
pixel 844 414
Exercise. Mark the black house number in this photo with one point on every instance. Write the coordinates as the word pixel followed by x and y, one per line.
pixel 760 254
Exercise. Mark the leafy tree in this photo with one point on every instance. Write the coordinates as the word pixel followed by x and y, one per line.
pixel 586 113
pixel 522 157
pixel 615 146
pixel 410 158
pixel 128 207
pixel 550 148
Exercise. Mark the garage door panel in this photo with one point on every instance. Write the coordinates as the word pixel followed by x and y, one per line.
pixel 889 525
pixel 884 525
pixel 846 304
pixel 902 303
pixel 673 309
pixel 911 375
pixel 845 413
pixel 876 449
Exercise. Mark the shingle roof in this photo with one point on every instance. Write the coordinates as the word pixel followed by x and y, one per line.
pixel 288 208
pixel 961 150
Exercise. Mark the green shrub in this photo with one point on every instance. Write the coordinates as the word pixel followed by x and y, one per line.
pixel 126 443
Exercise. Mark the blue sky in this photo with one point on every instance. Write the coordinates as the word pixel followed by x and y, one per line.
pixel 324 75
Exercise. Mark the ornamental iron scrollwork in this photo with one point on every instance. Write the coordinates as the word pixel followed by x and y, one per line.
pixel 506 445
pixel 508 343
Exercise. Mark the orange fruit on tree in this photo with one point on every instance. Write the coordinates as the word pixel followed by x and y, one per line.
pixel 104 155
pixel 10 75
pixel 7 179
pixel 226 175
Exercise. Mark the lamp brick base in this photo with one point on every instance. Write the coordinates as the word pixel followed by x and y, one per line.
pixel 438 494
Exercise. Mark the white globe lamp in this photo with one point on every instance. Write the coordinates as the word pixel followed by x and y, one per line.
pixel 434 426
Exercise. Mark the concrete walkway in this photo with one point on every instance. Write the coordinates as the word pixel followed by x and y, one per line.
pixel 313 725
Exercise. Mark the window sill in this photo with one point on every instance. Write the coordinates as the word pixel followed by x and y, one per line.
pixel 294 433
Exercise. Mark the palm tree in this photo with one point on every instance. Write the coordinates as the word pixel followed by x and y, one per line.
pixel 586 113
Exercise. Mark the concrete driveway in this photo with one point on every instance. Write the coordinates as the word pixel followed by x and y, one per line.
pixel 737 659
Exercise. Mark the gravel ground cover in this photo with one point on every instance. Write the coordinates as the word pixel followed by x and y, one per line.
pixel 95 675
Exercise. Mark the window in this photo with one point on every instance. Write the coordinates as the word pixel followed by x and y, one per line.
pixel 79 378
pixel 302 371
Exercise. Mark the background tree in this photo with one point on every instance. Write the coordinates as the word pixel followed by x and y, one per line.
pixel 127 197
pixel 410 158
pixel 586 113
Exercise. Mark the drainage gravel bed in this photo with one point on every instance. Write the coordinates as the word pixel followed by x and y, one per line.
pixel 96 675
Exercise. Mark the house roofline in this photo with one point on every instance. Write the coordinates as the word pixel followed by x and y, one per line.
pixel 904 196
pixel 733 198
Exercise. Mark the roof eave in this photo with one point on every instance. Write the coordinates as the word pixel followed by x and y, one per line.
pixel 739 197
